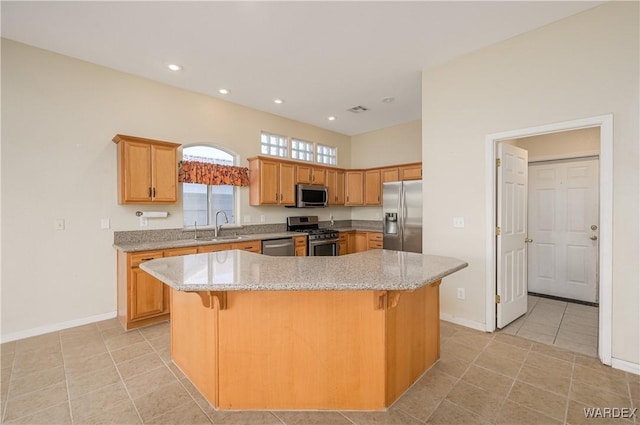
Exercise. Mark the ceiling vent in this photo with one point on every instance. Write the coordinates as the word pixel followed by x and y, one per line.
pixel 358 109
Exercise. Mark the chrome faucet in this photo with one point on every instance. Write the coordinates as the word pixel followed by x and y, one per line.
pixel 226 220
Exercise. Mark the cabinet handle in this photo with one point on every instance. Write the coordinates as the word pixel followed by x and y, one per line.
pixel 154 192
pixel 145 259
pixel 276 196
pixel 281 196
pixel 149 192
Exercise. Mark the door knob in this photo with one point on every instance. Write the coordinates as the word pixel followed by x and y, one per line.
pixel 594 238
pixel 528 240
pixel 594 227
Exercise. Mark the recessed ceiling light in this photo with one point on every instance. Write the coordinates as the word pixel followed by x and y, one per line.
pixel 331 118
pixel 224 91
pixel 278 101
pixel 174 67
pixel 388 99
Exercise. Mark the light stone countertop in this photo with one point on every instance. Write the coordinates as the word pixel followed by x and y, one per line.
pixel 237 270
pixel 184 243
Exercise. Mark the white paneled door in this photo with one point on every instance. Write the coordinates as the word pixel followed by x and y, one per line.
pixel 563 223
pixel 512 224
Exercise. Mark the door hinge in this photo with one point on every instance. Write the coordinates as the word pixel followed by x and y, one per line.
pixel 498 162
pixel 498 231
pixel 497 299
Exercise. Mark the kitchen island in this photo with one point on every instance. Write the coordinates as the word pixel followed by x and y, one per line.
pixel 341 333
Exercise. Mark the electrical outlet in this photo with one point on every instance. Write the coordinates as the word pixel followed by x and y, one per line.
pixel 262 218
pixel 460 293
pixel 246 219
pixel 458 222
pixel 105 223
pixel 59 224
pixel 144 222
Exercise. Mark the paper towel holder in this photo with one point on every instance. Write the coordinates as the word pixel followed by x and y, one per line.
pixel 152 214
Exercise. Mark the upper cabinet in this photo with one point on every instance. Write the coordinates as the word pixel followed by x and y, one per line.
pixel 147 170
pixel 307 174
pixel 335 185
pixel 411 172
pixel 372 188
pixel 354 187
pixel 272 182
pixel 391 174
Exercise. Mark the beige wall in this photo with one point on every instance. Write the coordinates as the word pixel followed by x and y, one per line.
pixel 58 161
pixel 583 66
pixel 585 141
pixel 393 145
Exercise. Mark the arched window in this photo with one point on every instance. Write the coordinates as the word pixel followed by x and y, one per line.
pixel 201 202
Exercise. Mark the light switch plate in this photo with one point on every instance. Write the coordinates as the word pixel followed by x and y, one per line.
pixel 105 223
pixel 458 222
pixel 247 219
pixel 59 224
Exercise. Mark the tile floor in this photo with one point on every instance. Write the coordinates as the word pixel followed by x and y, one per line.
pixel 98 374
pixel 565 325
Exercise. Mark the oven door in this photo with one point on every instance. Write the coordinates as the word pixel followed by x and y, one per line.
pixel 326 247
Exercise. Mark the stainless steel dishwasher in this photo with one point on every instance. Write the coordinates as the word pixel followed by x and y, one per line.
pixel 281 247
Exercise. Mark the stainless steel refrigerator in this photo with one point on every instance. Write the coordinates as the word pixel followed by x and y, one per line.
pixel 402 215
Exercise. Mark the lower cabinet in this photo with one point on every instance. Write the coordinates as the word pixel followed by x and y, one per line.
pixel 353 241
pixel 300 246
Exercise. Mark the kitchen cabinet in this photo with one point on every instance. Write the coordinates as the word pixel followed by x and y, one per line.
pixel 147 170
pixel 372 188
pixel 360 241
pixel 307 174
pixel 411 172
pixel 374 240
pixel 214 248
pixel 143 299
pixel 390 174
pixel 335 186
pixel 251 246
pixel 354 188
pixel 272 182
pixel 300 246
pixel 343 244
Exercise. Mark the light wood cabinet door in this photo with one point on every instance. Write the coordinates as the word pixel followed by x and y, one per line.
pixel 147 295
pixel 335 185
pixel 373 188
pixel 147 170
pixel 354 189
pixel 213 248
pixel 252 246
pixel 164 170
pixel 374 240
pixel 360 242
pixel 390 174
pixel 300 246
pixel 411 172
pixel 318 176
pixel 286 183
pixel 269 183
pixel 303 174
pixel 136 164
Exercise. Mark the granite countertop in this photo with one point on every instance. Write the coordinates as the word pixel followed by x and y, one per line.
pixel 237 270
pixel 183 243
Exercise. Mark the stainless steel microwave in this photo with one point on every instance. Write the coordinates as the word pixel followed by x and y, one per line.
pixel 311 196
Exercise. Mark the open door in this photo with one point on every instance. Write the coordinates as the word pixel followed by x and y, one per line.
pixel 511 234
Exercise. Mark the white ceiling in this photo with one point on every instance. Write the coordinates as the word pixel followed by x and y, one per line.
pixel 322 58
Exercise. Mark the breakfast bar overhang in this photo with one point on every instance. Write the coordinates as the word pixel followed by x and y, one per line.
pixel 304 333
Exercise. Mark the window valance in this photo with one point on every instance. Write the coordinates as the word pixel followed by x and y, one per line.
pixel 213 174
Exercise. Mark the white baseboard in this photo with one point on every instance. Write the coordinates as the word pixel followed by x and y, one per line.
pixel 57 327
pixel 625 365
pixel 463 322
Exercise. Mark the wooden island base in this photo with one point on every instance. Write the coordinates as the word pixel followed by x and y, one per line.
pixel 297 350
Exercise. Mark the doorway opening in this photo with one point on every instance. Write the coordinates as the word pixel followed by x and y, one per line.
pixel 602 127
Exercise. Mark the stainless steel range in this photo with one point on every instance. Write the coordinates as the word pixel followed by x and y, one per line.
pixel 320 241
